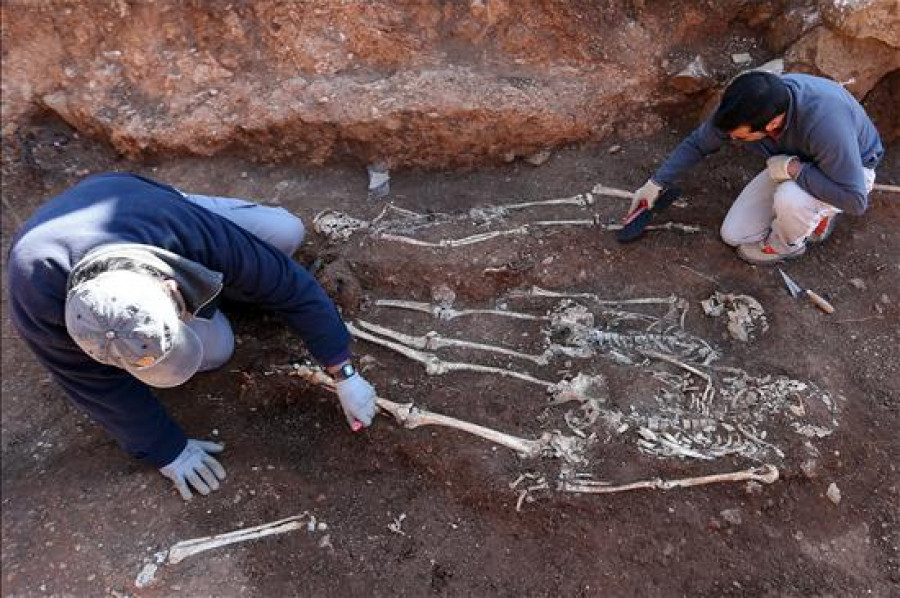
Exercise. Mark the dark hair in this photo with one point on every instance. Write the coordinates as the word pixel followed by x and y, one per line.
pixel 752 99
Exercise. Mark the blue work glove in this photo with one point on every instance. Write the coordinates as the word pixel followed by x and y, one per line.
pixel 195 466
pixel 357 399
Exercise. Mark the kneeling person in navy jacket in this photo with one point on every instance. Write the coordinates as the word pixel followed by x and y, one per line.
pixel 114 286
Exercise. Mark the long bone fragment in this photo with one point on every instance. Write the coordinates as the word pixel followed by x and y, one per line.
pixel 470 240
pixel 767 474
pixel 671 226
pixel 447 313
pixel 180 551
pixel 887 188
pixel 409 416
pixel 600 189
pixel 582 199
pixel 434 366
pixel 525 229
pixel 434 341
pixel 544 293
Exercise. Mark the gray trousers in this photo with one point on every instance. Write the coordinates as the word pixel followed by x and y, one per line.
pixel 784 209
pixel 276 226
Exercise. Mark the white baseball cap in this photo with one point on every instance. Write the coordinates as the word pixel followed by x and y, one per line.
pixel 129 320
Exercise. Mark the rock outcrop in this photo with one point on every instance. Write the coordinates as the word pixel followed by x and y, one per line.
pixel 426 83
pixel 857 43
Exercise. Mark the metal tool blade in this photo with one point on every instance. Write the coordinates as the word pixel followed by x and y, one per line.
pixel 792 287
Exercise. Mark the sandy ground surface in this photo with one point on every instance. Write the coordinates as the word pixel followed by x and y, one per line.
pixel 430 511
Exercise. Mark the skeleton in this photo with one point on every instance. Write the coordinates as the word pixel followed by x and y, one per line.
pixel 180 551
pixel 338 226
pixel 722 415
pixel 551 444
pixel 767 474
pixel 526 229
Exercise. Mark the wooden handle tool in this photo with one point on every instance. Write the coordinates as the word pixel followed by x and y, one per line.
pixel 820 302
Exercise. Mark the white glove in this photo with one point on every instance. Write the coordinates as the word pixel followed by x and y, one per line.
pixel 648 193
pixel 196 466
pixel 357 399
pixel 778 167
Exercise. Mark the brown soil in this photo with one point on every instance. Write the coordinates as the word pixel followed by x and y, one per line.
pixel 80 518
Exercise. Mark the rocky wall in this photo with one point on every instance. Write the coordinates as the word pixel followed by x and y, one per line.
pixel 420 82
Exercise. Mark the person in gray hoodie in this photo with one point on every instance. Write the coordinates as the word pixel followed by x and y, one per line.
pixel 821 151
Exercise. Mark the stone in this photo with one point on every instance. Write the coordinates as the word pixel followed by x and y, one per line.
pixel 732 516
pixel 742 58
pixel 443 295
pixel 833 493
pixel 856 63
pixel 539 158
pixel 860 19
pixel 810 468
pixel 694 77
pixel 857 283
pixel 792 24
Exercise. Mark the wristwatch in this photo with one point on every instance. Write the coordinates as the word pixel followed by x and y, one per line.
pixel 347 371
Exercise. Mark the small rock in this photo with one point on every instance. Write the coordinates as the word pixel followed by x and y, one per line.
pixel 443 295
pixel 885 299
pixel 833 493
pixel 615 149
pixel 509 157
pixel 732 516
pixel 741 58
pixel 538 158
pixel 379 180
pixel 693 78
pixel 753 488
pixel 147 576
pixel 858 283
pixel 810 468
pixel 668 549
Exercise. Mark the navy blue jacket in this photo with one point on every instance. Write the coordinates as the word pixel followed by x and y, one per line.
pixel 825 127
pixel 126 208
